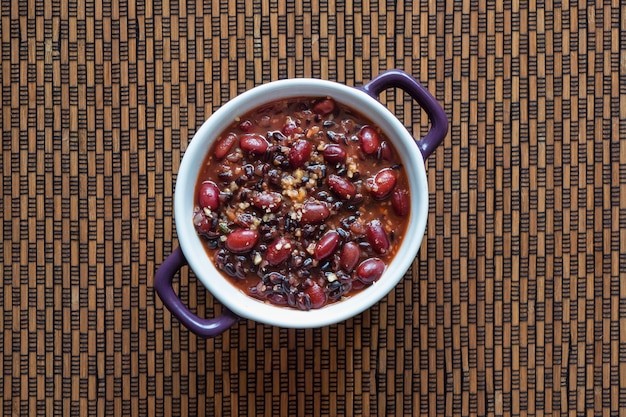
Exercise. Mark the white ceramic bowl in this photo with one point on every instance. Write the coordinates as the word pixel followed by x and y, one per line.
pixel 239 304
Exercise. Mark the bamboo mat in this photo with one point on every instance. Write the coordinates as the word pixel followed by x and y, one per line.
pixel 514 305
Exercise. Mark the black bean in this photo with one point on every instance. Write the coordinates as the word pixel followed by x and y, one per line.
pixel 278 135
pixel 347 221
pixel 240 271
pixel 328 123
pixel 291 298
pixel 342 275
pixel 335 290
pixel 229 268
pixel 303 301
pixel 249 169
pixel 322 195
pixel 342 233
pixel 225 175
pixel 221 257
pixel 225 197
pixel 279 160
pixel 275 278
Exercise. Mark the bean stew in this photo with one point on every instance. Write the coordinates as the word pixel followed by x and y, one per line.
pixel 302 202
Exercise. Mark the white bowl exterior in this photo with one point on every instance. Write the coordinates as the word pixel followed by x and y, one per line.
pixel 194 250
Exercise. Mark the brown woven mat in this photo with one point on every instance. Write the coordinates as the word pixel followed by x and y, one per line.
pixel 514 306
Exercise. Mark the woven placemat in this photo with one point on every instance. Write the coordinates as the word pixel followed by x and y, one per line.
pixel 514 305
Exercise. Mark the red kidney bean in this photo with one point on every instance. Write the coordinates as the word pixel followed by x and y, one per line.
pixel 383 183
pixel 400 202
pixel 357 228
pixel 316 294
pixel 385 151
pixel 202 223
pixel 224 145
pixel 327 245
pixel 278 251
pixel 350 254
pixel 334 154
pixel 370 270
pixel 209 195
pixel 241 240
pixel 377 236
pixel 314 212
pixel 254 144
pixel 245 125
pixel 299 153
pixel 324 106
pixel 370 140
pixel 341 186
pixel 290 128
pixel 269 201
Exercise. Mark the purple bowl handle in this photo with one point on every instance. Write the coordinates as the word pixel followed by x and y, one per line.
pixel 404 81
pixel 163 284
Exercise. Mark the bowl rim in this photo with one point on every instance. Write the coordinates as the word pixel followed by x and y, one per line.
pixel 228 294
